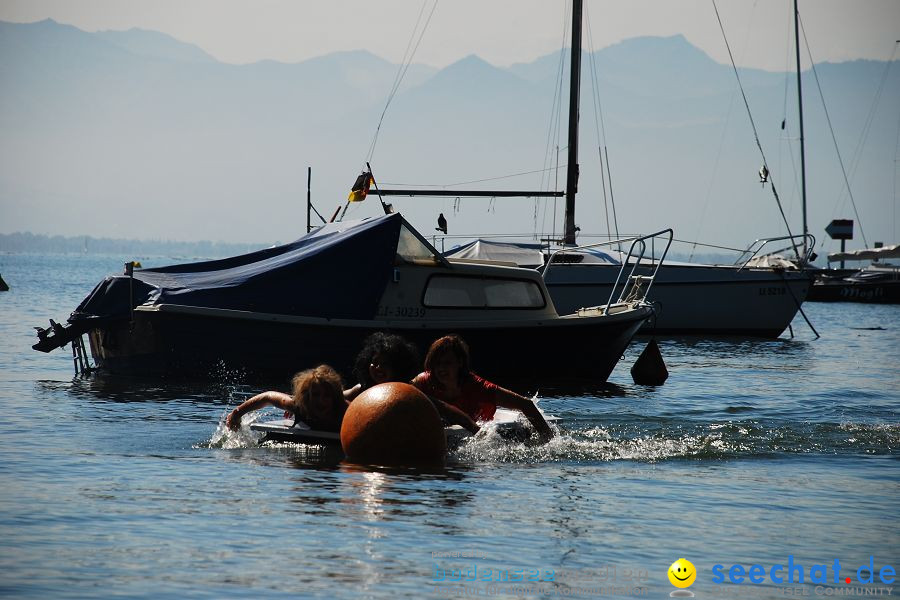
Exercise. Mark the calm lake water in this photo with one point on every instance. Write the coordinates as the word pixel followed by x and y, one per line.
pixel 751 453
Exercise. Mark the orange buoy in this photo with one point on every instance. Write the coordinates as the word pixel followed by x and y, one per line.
pixel 393 423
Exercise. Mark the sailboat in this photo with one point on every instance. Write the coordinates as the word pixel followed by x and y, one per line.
pixel 689 298
pixel 746 299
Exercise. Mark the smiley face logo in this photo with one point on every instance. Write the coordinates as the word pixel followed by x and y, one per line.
pixel 682 573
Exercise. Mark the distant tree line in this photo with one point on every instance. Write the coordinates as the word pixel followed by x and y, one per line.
pixel 29 242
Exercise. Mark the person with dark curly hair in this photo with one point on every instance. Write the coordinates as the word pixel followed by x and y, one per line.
pixel 387 357
pixel 447 377
pixel 384 357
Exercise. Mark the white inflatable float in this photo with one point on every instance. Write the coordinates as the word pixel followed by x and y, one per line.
pixel 510 424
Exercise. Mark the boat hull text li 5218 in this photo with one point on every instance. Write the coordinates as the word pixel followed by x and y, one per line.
pixel 276 311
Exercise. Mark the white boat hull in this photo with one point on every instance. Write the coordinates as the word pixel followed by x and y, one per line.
pixel 694 299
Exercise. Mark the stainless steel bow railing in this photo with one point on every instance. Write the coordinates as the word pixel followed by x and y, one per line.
pixel 633 289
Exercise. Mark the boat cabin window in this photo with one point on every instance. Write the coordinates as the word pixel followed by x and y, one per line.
pixel 410 249
pixel 450 291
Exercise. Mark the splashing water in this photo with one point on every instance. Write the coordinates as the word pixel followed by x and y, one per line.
pixel 229 439
pixel 727 440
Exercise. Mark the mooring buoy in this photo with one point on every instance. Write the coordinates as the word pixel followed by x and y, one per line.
pixel 393 424
pixel 650 368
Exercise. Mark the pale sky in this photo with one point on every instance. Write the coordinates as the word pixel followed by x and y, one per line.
pixel 500 31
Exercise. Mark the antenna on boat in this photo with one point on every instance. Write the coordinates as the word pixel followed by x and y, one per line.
pixel 387 208
pixel 574 97
pixel 309 204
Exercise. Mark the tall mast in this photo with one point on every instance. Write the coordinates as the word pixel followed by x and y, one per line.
pixel 800 106
pixel 574 97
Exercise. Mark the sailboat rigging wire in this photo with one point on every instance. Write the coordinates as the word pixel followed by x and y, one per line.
pixel 870 117
pixel 403 68
pixel 553 127
pixel 718 156
pixel 600 127
pixel 896 165
pixel 786 135
pixel 799 305
pixel 555 184
pixel 787 73
pixel 611 196
pixel 755 133
pixel 715 169
pixel 603 186
pixel 551 158
pixel 712 176
pixel 831 128
pixel 595 96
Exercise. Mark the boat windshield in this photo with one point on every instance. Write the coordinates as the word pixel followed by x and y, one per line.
pixel 411 249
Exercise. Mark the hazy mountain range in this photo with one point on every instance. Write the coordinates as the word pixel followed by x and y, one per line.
pixel 135 134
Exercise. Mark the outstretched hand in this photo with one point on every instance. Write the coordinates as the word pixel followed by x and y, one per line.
pixel 233 420
pixel 545 433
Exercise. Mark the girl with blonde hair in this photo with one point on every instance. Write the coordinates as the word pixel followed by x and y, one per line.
pixel 317 400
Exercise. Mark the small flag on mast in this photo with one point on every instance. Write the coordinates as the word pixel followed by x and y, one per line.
pixel 361 187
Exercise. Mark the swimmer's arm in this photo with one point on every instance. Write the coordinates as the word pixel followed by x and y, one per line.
pixel 448 412
pixel 277 399
pixel 353 392
pixel 512 400
pixel 453 415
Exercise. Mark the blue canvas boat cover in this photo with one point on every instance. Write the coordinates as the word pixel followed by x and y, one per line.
pixel 337 271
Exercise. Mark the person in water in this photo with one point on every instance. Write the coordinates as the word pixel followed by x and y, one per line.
pixel 384 357
pixel 447 377
pixel 317 400
pixel 388 357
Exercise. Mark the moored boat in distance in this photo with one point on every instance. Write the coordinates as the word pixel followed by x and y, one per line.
pixel 690 298
pixel 279 310
pixel 879 283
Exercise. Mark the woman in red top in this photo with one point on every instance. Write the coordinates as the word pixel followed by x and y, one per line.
pixel 447 377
